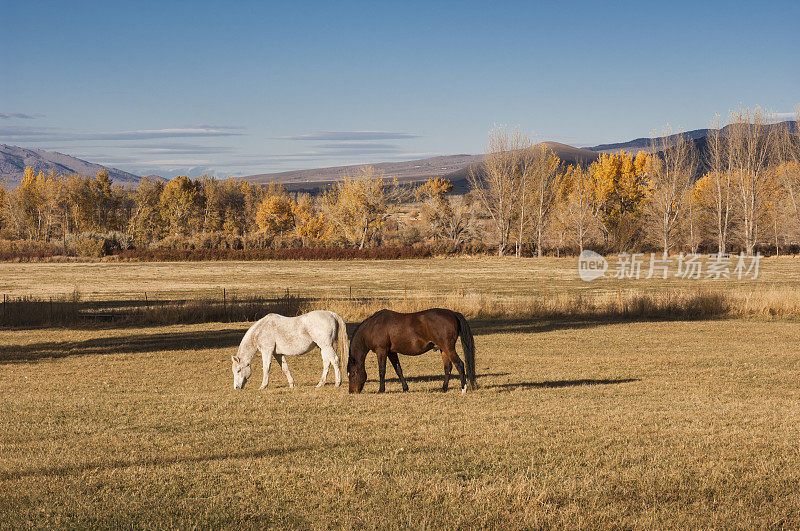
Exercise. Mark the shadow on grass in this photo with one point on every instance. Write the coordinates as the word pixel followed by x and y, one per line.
pixel 553 384
pixel 215 339
pixel 230 337
pixel 454 379
pixel 115 464
pixel 137 343
pixel 532 326
pixel 512 386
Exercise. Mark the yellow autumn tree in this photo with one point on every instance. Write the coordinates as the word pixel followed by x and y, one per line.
pixel 435 187
pixel 620 190
pixel 29 200
pixel 180 206
pixel 357 208
pixel 275 213
pixel 309 224
pixel 5 224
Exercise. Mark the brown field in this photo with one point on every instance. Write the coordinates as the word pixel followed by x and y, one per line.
pixel 501 277
pixel 576 422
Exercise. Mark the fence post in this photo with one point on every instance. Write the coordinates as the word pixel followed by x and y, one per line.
pixel 619 293
pixel 544 293
pixel 224 304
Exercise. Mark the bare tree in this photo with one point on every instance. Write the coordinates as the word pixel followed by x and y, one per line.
pixel 752 150
pixel 541 188
pixel 789 169
pixel 447 217
pixel 498 185
pixel 720 182
pixel 692 216
pixel 672 166
pixel 579 205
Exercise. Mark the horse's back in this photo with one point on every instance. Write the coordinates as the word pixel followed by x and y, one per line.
pixel 410 333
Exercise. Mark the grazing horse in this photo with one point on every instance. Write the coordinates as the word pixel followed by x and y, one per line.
pixel 278 336
pixel 391 333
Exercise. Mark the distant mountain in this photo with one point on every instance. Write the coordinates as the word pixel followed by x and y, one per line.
pixel 407 171
pixel 698 135
pixel 456 168
pixel 13 161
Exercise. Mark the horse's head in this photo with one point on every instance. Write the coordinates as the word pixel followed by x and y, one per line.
pixel 356 373
pixel 241 372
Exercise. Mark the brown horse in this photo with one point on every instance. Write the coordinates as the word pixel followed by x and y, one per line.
pixel 389 333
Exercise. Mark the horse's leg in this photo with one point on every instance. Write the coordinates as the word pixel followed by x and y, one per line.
pixel 333 357
pixel 381 352
pixel 448 366
pixel 396 364
pixel 281 358
pixel 325 364
pixel 329 358
pixel 450 351
pixel 266 361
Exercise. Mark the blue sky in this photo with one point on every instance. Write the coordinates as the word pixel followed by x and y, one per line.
pixel 236 88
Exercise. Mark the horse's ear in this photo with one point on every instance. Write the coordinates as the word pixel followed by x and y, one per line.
pixel 235 359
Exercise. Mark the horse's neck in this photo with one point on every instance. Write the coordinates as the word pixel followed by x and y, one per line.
pixel 248 348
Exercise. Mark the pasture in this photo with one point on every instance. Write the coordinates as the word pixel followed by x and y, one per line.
pixel 498 277
pixel 576 423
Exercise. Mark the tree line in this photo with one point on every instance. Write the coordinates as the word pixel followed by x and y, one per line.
pixel 740 190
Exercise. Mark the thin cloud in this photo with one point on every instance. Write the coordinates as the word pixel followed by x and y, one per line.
pixel 28 134
pixel 214 126
pixel 359 145
pixel 20 115
pixel 179 150
pixel 783 116
pixel 339 136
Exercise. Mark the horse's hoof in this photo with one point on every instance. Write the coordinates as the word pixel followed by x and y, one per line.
pixel 464 390
pixel 262 387
pixel 338 384
pixel 320 384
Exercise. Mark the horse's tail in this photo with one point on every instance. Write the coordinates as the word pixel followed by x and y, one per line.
pixel 343 345
pixel 468 344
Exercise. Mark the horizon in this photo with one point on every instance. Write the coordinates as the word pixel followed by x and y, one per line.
pixel 190 89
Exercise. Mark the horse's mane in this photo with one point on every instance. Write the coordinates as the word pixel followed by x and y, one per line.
pixel 350 349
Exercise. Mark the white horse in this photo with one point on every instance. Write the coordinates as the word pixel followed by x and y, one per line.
pixel 278 336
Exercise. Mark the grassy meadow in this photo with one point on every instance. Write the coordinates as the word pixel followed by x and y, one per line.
pixel 498 277
pixel 577 422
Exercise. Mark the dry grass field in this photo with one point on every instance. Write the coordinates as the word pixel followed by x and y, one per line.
pixel 506 277
pixel 574 425
pixel 578 422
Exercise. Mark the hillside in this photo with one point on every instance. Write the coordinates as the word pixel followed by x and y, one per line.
pixel 14 159
pixel 644 143
pixel 406 171
pixel 456 168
